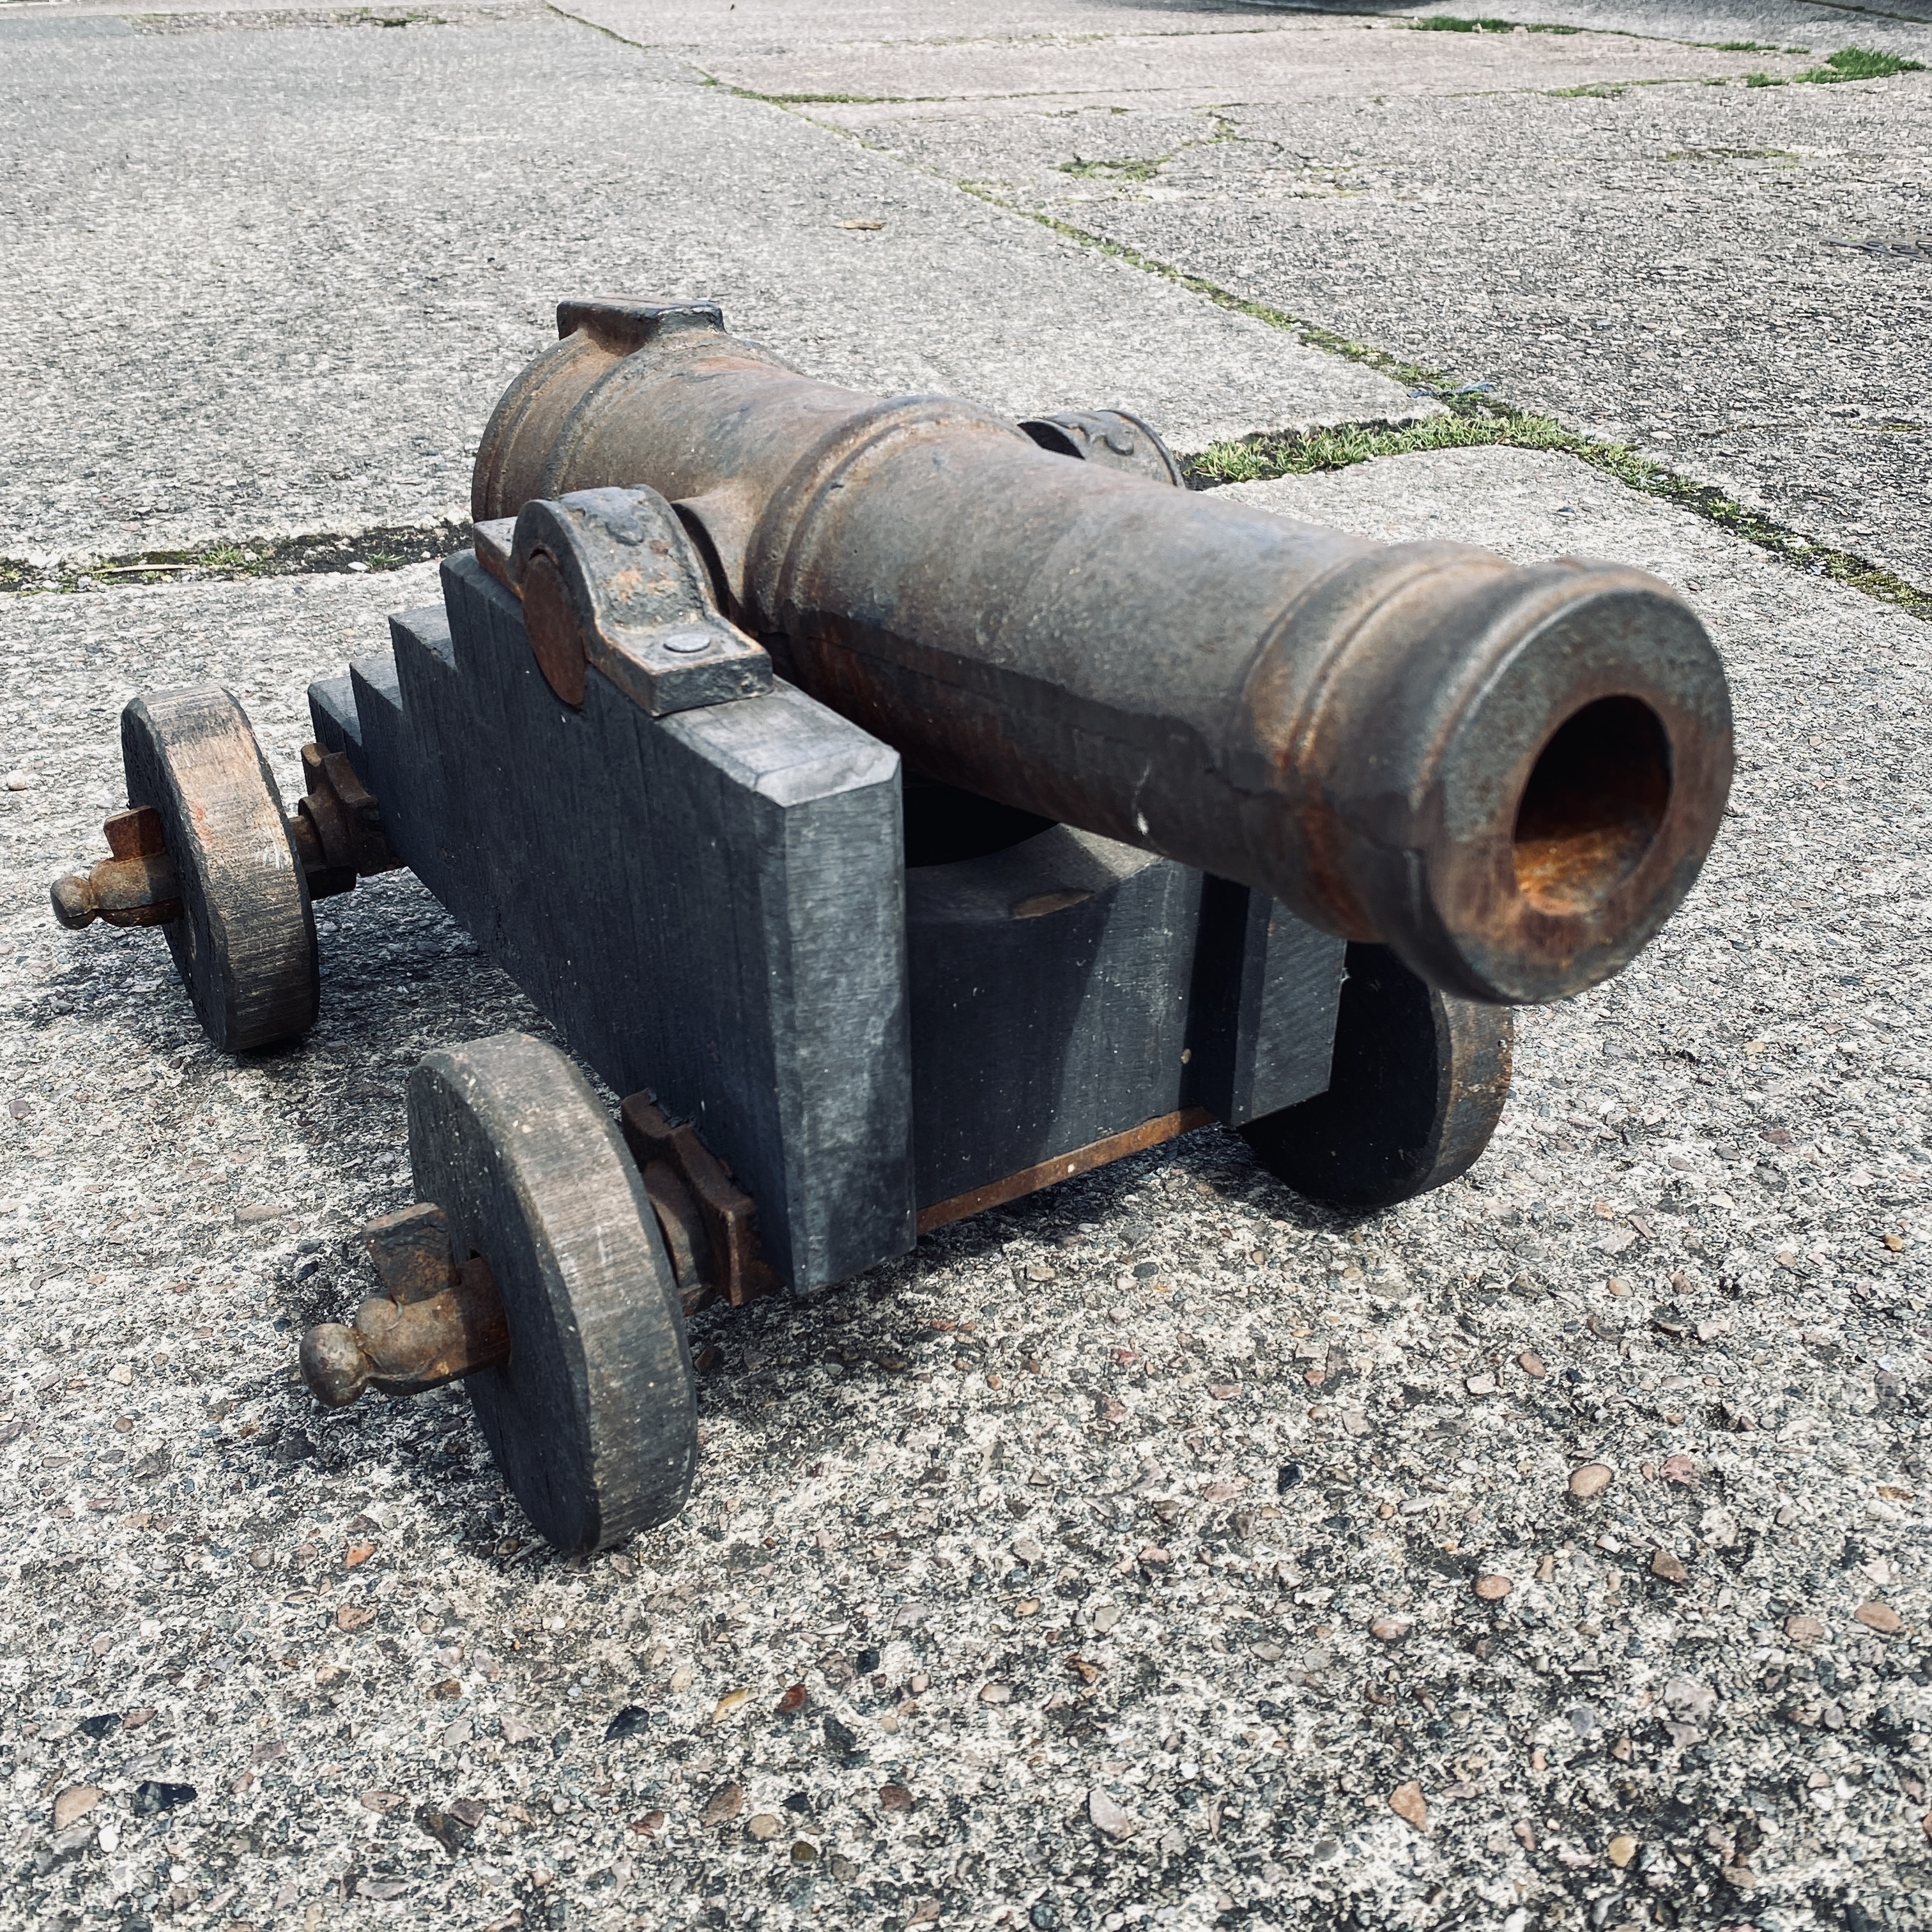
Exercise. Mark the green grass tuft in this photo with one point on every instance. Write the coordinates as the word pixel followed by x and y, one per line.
pixel 1847 63
pixel 1859 64
pixel 1452 23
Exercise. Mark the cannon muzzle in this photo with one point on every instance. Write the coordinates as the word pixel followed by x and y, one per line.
pixel 1509 775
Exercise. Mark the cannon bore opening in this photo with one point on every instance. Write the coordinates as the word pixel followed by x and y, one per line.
pixel 1595 799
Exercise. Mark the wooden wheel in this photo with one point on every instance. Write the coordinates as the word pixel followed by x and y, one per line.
pixel 1417 1084
pixel 593 1419
pixel 244 940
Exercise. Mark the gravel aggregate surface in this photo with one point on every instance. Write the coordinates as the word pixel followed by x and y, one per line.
pixel 1549 1553
pixel 1158 1551
pixel 255 282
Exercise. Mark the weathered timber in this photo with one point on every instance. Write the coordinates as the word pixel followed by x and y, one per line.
pixel 592 1419
pixel 1418 1085
pixel 706 905
pixel 244 942
pixel 1069 989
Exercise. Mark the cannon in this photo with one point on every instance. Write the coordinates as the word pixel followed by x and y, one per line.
pixel 905 809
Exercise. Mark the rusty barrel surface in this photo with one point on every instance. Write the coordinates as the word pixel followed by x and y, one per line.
pixel 1511 775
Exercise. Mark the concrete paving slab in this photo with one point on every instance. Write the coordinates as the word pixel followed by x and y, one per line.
pixel 25 19
pixel 1727 276
pixel 1300 59
pixel 1123 1541
pixel 261 282
pixel 37 25
pixel 757 25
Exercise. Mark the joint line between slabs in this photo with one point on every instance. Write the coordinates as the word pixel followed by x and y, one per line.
pixel 1258 457
pixel 374 551
pixel 1478 423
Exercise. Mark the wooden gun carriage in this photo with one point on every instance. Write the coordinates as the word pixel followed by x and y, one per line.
pixel 906 810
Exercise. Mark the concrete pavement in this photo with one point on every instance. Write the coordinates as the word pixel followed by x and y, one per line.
pixel 280 290
pixel 1624 232
pixel 1122 1541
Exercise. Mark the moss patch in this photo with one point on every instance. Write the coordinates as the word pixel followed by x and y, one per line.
pixel 838 100
pixel 1487 23
pixel 1732 154
pixel 390 548
pixel 1255 459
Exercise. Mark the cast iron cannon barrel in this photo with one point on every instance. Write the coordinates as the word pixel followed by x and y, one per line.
pixel 1510 775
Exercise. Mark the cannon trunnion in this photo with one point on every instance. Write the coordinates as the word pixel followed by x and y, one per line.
pixel 906 811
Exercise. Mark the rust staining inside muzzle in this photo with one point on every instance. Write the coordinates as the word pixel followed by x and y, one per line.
pixel 1598 796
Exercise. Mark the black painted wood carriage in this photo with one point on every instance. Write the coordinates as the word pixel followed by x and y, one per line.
pixel 855 970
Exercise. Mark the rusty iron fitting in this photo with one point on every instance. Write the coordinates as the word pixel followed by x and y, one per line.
pixel 135 885
pixel 1509 775
pixel 336 826
pixel 709 1224
pixel 611 578
pixel 1115 438
pixel 435 1322
pixel 335 832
